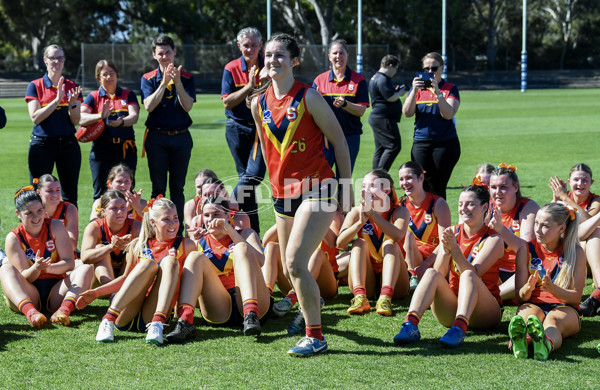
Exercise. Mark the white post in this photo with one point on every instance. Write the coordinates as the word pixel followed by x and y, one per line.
pixel 268 19
pixel 524 51
pixel 359 46
pixel 444 73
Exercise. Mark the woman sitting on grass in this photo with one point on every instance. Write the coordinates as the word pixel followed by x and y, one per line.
pixel 147 290
pixel 471 252
pixel 550 276
pixel 105 238
pixel 513 218
pixel 193 206
pixel 39 255
pixel 224 276
pixel 587 205
pixel 49 189
pixel 429 216
pixel 376 258
pixel 121 178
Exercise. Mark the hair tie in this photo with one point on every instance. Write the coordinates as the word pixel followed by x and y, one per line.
pixel 571 213
pixel 504 165
pixel 98 208
pixel 151 202
pixel 35 180
pixel 23 189
pixel 477 182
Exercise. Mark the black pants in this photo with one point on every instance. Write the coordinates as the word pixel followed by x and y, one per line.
pixel 105 154
pixel 438 160
pixel 44 152
pixel 387 141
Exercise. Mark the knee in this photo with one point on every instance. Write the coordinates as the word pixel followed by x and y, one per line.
pixel 359 244
pixel 169 263
pixel 468 276
pixel 147 266
pixel 85 269
pixel 430 275
pixel 294 268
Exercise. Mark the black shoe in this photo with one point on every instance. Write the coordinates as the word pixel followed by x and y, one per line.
pixel 183 331
pixel 589 307
pixel 251 324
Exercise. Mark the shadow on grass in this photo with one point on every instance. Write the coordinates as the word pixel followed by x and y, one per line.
pixel 9 333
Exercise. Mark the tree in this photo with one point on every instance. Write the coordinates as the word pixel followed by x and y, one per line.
pixel 563 13
pixel 491 14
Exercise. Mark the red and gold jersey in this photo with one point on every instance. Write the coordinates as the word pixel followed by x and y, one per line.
pixel 512 221
pixel 586 204
pixel 545 263
pixel 220 255
pixel 61 212
pixel 106 235
pixel 293 142
pixel 470 247
pixel 423 224
pixel 44 244
pixel 331 254
pixel 158 250
pixel 375 238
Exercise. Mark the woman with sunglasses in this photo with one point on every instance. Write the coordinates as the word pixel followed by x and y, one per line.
pixel 434 104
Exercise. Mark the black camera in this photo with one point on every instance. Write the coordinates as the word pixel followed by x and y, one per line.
pixel 426 77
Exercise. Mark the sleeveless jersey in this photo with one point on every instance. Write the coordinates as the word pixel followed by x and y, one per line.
pixel 545 263
pixel 423 224
pixel 45 244
pixel 293 142
pixel 220 255
pixel 375 238
pixel 158 250
pixel 331 254
pixel 586 204
pixel 470 247
pixel 117 256
pixel 512 221
pixel 61 212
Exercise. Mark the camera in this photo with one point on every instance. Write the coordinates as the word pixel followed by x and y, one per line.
pixel 426 76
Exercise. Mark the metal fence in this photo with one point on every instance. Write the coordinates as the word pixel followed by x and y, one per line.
pixel 206 62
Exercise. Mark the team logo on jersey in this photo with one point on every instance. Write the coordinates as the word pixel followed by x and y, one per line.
pixel 50 245
pixel 209 253
pixel 146 254
pixel 291 114
pixel 474 252
pixel 428 219
pixel 536 265
pixel 123 102
pixel 351 87
pixel 368 228
pixel 230 247
pixel 172 252
pixel 104 242
pixel 30 254
pixel 130 216
pixel 267 116
pixel 516 226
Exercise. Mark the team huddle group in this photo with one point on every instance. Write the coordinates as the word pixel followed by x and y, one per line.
pixel 505 249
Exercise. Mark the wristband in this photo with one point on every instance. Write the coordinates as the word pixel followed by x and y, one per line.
pixel 74 106
pixel 345 103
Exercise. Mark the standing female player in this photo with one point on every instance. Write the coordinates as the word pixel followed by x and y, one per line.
pixel 119 109
pixel 49 189
pixel 513 218
pixel 291 120
pixel 587 205
pixel 121 178
pixel 105 238
pixel 53 102
pixel 376 259
pixel 347 94
pixel 39 255
pixel 429 216
pixel 225 275
pixel 471 297
pixel 550 277
pixel 147 290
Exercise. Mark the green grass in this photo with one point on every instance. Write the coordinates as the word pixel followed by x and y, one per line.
pixel 543 133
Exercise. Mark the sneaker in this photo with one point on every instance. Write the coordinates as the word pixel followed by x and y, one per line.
pixel 60 317
pixel 283 307
pixel 453 337
pixel 359 304
pixel 251 324
pixel 408 333
pixel 589 307
pixel 182 332
pixel 413 282
pixel 37 319
pixel 298 323
pixel 384 306
pixel 154 333
pixel 517 331
pixel 2 256
pixel 308 346
pixel 541 345
pixel 105 332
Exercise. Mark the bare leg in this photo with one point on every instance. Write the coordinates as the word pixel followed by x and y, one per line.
pixel 507 289
pixel 592 252
pixel 163 291
pixel 320 267
pixel 394 272
pixel 561 323
pixel 132 294
pixel 16 288
pixel 248 278
pixel 434 291
pixel 476 303
pixel 76 282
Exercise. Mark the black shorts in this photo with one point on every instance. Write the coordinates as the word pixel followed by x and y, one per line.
pixel 236 319
pixel 137 324
pixel 548 307
pixel 505 275
pixel 327 192
pixel 44 288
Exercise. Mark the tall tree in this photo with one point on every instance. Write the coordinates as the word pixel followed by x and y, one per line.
pixel 491 14
pixel 563 13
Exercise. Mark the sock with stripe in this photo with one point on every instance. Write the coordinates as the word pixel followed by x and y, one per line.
pixel 270 288
pixel 25 305
pixel 388 291
pixel 314 331
pixel 186 313
pixel 67 305
pixel 292 296
pixel 250 304
pixel 412 272
pixel 359 290
pixel 596 294
pixel 159 316
pixel 462 322
pixel 112 314
pixel 413 317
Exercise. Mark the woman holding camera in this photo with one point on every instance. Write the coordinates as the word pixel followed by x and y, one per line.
pixel 435 102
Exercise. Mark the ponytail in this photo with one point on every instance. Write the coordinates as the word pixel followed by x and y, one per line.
pixel 561 214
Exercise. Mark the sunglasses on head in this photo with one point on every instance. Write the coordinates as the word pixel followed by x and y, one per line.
pixel 430 68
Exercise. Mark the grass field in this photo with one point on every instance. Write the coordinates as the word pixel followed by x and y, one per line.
pixel 543 133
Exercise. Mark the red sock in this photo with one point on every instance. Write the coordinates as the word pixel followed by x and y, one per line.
pixel 68 305
pixel 412 272
pixel 551 343
pixel 250 304
pixel 314 331
pixel 270 288
pixel 159 316
pixel 186 313
pixel 112 314
pixel 359 290
pixel 596 294
pixel 25 305
pixel 413 317
pixel 293 297
pixel 387 290
pixel 462 322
